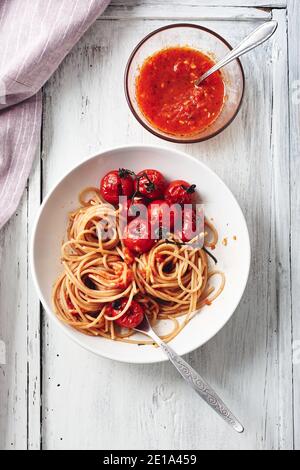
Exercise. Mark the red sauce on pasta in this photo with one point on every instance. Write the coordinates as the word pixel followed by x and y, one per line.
pixel 167 96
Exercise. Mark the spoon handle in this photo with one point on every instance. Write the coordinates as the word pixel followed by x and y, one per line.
pixel 200 386
pixel 257 37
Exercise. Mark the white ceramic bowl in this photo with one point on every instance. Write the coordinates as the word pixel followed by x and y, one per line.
pixel 220 204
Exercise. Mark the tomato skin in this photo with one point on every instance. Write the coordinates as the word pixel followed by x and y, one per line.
pixel 116 183
pixel 189 225
pixel 161 213
pixel 180 192
pixel 130 208
pixel 150 184
pixel 132 318
pixel 137 236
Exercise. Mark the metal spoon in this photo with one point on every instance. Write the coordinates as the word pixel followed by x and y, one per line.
pixel 192 377
pixel 257 37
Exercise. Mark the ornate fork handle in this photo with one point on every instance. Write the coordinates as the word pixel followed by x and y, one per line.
pixel 201 386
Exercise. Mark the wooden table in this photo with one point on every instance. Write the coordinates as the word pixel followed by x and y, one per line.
pixel 54 394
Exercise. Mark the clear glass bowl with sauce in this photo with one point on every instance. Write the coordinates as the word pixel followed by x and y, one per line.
pixel 206 42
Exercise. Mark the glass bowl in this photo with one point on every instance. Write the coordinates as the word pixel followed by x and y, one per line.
pixel 206 41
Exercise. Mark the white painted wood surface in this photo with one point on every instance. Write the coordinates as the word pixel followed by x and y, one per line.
pixel 294 87
pixel 55 395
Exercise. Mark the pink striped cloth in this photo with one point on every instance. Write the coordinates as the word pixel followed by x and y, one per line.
pixel 35 36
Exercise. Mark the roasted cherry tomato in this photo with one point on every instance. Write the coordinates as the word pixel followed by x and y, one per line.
pixel 150 184
pixel 190 220
pixel 137 236
pixel 188 226
pixel 131 318
pixel 180 192
pixel 116 183
pixel 160 212
pixel 131 208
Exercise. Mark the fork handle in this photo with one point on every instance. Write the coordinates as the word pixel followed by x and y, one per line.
pixel 257 37
pixel 200 386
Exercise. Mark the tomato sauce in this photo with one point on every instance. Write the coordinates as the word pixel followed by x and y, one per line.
pixel 167 96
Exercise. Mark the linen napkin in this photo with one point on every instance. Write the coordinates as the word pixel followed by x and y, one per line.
pixel 35 36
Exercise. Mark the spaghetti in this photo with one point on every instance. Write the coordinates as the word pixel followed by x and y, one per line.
pixel 170 281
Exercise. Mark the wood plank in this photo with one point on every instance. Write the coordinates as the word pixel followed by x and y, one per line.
pixel 85 110
pixel 181 11
pixel 294 87
pixel 281 223
pixel 33 322
pixel 19 328
pixel 13 330
pixel 203 3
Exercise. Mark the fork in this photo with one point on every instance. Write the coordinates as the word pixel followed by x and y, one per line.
pixel 192 377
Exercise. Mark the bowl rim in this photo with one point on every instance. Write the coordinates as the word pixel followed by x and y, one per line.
pixel 32 259
pixel 129 101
